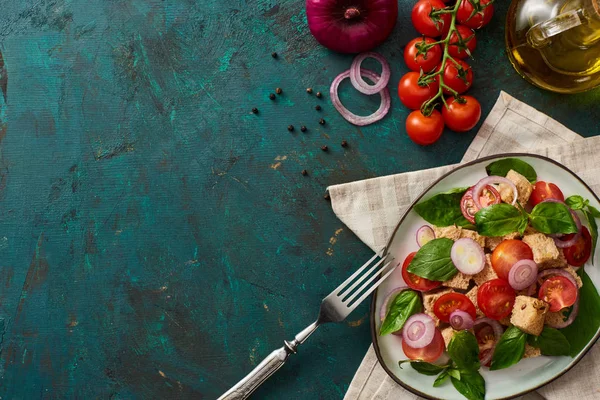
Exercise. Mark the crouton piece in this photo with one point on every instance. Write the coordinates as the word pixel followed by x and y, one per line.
pixel 487 273
pixel 472 295
pixel 530 230
pixel 545 252
pixel 555 318
pixel 531 351
pixel 529 314
pixel 451 232
pixel 505 321
pixel 572 272
pixel 524 188
pixel 467 233
pixel 493 242
pixel 458 281
pixel 429 300
pixel 448 333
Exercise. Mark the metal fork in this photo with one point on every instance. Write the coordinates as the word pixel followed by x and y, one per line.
pixel 334 308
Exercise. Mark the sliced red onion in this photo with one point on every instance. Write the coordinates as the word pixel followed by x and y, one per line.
pixel 523 274
pixel 460 320
pixel 467 256
pixel 557 271
pixel 418 331
pixel 569 321
pixel 424 235
pixel 353 118
pixel 497 333
pixel 492 180
pixel 359 83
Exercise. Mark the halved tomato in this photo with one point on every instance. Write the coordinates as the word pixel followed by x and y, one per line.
pixel 415 281
pixel 543 191
pixel 488 197
pixel 580 252
pixel 484 333
pixel 450 302
pixel 429 353
pixel 507 254
pixel 496 298
pixel 559 292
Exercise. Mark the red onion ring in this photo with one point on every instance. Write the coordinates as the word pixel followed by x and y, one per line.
pixel 491 180
pixel 418 331
pixel 523 274
pixel 557 271
pixel 424 235
pixel 359 83
pixel 460 320
pixel 569 320
pixel 462 253
pixel 351 117
pixel 497 333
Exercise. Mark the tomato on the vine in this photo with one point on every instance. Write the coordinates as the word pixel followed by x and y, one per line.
pixel 413 95
pixel 417 57
pixel 475 15
pixel 462 114
pixel 457 47
pixel 424 130
pixel 424 22
pixel 457 79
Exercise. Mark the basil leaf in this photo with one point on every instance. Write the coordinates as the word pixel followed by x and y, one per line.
pixel 405 304
pixel 464 351
pixel 433 262
pixel 499 220
pixel 552 218
pixel 593 231
pixel 471 385
pixel 551 342
pixel 510 348
pixel 439 381
pixel 426 368
pixel 594 211
pixel 453 372
pixel 585 326
pixel 502 167
pixel 576 202
pixel 443 209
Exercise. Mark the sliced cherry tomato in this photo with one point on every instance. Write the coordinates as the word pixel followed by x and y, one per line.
pixel 413 95
pixel 496 298
pixel 543 191
pixel 559 292
pixel 507 254
pixel 450 302
pixel 458 46
pixel 424 23
pixel 420 55
pixel 415 281
pixel 461 115
pixel 457 79
pixel 580 252
pixel 424 130
pixel 429 353
pixel 489 196
pixel 475 17
pixel 486 339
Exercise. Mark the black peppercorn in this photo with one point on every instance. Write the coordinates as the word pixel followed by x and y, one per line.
pixel 278 90
pixel 327 197
pixel 303 128
pixel 274 55
pixel 304 172
pixel 271 96
pixel 255 110
pixel 309 90
pixel 322 121
pixel 318 107
pixel 290 128
pixel 344 143
pixel 319 94
pixel 324 148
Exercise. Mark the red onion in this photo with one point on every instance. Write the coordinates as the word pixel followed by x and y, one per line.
pixel 490 180
pixel 460 320
pixel 353 118
pixel 523 274
pixel 467 256
pixel 557 271
pixel 351 26
pixel 569 321
pixel 424 235
pixel 359 83
pixel 418 331
pixel 497 328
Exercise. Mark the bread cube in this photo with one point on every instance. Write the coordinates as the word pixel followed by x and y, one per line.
pixel 451 232
pixel 545 252
pixel 493 242
pixel 467 233
pixel 531 351
pixel 472 295
pixel 429 300
pixel 524 188
pixel 487 273
pixel 528 314
pixel 573 273
pixel 448 333
pixel 458 281
pixel 505 321
pixel 555 318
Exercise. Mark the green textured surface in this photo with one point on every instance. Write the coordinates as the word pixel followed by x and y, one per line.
pixel 156 238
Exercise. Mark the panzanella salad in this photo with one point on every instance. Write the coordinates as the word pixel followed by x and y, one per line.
pixel 498 277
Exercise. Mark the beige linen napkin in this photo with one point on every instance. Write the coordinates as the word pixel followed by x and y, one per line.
pixel 372 208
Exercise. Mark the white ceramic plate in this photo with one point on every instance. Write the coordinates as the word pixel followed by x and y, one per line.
pixel 528 374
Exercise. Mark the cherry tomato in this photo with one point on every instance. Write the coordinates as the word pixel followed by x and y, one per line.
pixel 415 281
pixel 424 130
pixel 545 190
pixel 496 298
pixel 486 339
pixel 450 302
pixel 460 81
pixel 475 18
pixel 467 40
pixel 489 196
pixel 462 117
pixel 417 57
pixel 580 252
pixel 411 94
pixel 507 254
pixel 559 292
pixel 429 353
pixel 422 21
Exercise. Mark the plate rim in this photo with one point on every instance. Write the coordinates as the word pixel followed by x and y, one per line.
pixel 408 209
